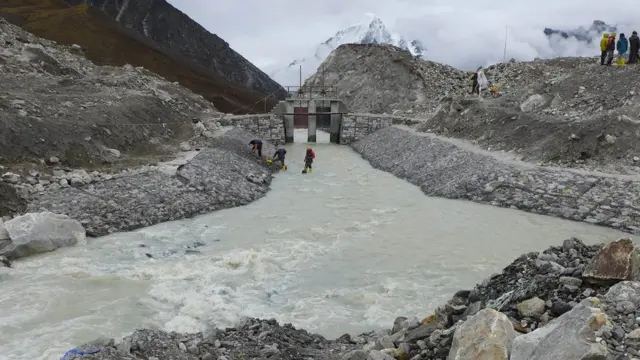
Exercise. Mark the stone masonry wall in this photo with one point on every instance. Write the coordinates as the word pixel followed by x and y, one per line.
pixel 356 126
pixel 268 127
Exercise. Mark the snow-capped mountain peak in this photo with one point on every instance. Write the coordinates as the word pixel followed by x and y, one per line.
pixel 369 30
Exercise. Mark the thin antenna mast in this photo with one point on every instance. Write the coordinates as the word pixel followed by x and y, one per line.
pixel 301 76
pixel 504 55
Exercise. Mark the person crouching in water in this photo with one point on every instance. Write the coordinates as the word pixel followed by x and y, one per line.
pixel 279 156
pixel 308 160
pixel 256 146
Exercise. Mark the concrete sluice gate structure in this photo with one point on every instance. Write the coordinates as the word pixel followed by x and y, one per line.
pixel 313 108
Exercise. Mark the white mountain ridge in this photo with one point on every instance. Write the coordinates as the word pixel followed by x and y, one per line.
pixel 369 30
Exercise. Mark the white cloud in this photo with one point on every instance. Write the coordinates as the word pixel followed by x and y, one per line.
pixel 462 33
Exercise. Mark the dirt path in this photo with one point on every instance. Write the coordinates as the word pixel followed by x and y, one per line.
pixel 511 159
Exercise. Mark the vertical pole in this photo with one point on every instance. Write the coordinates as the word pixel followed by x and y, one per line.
pixel 504 56
pixel 300 76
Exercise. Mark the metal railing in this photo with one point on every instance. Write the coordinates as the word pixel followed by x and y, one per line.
pixel 312 92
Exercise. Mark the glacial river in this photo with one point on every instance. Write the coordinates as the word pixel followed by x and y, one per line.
pixel 344 249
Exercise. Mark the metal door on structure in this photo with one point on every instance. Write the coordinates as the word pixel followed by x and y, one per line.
pixel 324 117
pixel 300 117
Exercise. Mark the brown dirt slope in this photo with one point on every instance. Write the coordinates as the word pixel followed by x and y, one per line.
pixel 105 42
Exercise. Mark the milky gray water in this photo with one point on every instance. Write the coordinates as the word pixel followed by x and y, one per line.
pixel 344 249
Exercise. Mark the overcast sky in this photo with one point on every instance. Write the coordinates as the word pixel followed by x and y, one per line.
pixel 460 33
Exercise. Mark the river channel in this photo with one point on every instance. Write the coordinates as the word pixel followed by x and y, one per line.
pixel 344 249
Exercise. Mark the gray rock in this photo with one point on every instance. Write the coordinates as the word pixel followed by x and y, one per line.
pixel 355 355
pixel 4 262
pixel 410 324
pixel 534 102
pixel 571 281
pixel 488 335
pixel 397 324
pixel 571 336
pixel 377 355
pixel 533 307
pixel 472 309
pixel 34 233
pixel 4 234
pixel 384 342
pixel 524 345
pixel 11 178
pixel 420 333
pixel 633 338
pixel 624 291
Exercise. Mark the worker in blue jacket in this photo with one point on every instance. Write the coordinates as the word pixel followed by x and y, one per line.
pixel 622 46
pixel 279 156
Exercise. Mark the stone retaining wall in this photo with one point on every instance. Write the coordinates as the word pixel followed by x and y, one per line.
pixel 269 127
pixel 225 176
pixel 356 126
pixel 444 170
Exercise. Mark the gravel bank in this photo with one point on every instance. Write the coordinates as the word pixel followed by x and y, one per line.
pixel 222 176
pixel 443 169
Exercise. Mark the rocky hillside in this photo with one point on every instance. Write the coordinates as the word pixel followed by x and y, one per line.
pixel 384 78
pixel 568 111
pixel 108 42
pixel 58 108
pixel 175 31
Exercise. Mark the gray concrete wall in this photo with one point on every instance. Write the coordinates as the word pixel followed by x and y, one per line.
pixel 269 127
pixel 356 126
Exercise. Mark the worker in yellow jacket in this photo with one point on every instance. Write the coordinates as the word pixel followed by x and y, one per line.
pixel 604 43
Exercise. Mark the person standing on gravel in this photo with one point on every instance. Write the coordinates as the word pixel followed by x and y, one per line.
pixel 604 43
pixel 634 47
pixel 622 46
pixel 256 146
pixel 474 83
pixel 475 87
pixel 611 48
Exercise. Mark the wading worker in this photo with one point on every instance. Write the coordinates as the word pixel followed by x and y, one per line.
pixel 279 156
pixel 256 146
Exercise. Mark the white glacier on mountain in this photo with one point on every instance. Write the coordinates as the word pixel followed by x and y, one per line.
pixel 369 30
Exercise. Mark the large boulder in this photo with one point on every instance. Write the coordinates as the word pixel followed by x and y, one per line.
pixel 35 233
pixel 534 102
pixel 572 336
pixel 616 261
pixel 624 291
pixel 487 335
